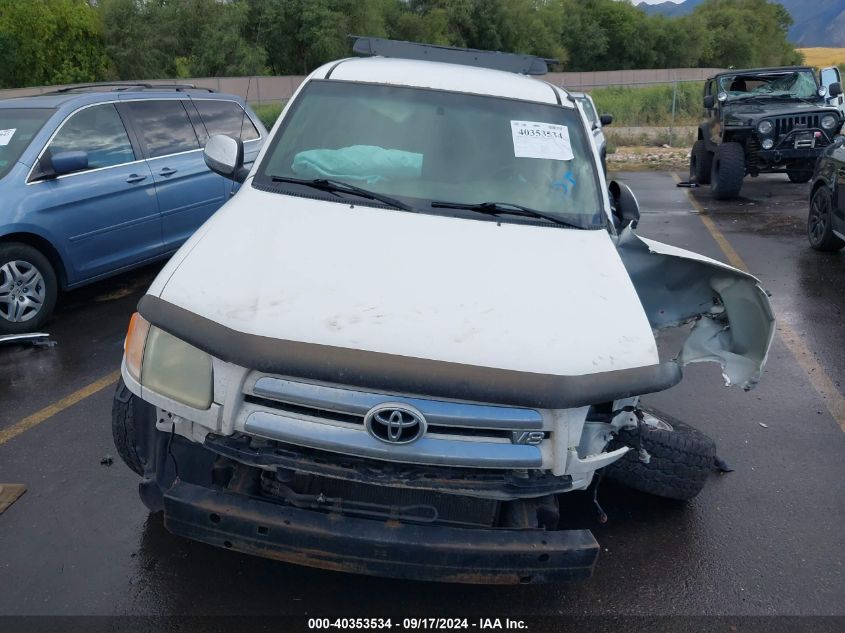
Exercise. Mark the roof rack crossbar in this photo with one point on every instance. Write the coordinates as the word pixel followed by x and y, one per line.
pixel 130 85
pixel 510 62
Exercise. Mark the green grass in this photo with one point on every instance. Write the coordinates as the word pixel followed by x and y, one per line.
pixel 651 105
pixel 269 112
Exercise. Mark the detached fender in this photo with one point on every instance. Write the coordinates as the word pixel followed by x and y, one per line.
pixel 734 323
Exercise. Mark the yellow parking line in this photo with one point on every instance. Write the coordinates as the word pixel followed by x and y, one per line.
pixel 57 407
pixel 821 382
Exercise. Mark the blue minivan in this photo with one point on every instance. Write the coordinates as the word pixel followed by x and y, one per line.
pixel 96 180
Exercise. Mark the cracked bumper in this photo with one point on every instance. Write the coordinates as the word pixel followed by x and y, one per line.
pixel 381 548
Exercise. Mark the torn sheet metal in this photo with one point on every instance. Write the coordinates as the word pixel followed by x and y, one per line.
pixel 734 323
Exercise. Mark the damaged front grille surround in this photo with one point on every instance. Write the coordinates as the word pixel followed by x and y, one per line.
pixel 341 420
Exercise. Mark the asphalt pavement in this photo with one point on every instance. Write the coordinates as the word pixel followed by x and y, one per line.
pixel 766 539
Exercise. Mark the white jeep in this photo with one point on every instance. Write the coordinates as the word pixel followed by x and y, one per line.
pixel 423 317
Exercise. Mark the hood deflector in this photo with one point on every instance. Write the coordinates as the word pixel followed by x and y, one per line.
pixel 403 374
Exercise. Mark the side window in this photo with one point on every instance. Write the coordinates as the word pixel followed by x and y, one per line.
pixel 99 131
pixel 590 111
pixel 226 117
pixel 164 127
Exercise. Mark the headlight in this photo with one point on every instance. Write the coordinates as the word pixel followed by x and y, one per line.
pixel 829 121
pixel 765 127
pixel 168 365
pixel 768 143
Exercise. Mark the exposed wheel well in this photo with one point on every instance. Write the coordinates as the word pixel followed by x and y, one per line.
pixel 45 247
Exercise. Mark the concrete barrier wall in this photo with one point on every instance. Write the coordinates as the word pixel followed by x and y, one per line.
pixel 277 88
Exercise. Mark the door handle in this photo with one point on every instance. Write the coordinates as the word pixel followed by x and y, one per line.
pixel 167 171
pixel 135 178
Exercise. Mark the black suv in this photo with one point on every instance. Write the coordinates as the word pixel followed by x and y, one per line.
pixel 771 120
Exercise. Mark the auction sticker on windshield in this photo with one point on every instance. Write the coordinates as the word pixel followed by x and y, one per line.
pixel 6 136
pixel 534 139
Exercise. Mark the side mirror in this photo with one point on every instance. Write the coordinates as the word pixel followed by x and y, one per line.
pixel 709 102
pixel 68 162
pixel 606 119
pixel 225 156
pixel 835 89
pixel 623 205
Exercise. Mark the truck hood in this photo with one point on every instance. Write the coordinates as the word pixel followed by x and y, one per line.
pixel 518 297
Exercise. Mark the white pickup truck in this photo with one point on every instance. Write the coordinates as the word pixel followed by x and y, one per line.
pixel 423 317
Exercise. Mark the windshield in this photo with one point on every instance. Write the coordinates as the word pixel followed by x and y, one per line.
pixel 421 146
pixel 794 85
pixel 17 127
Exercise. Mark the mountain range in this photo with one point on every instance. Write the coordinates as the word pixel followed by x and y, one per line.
pixel 816 22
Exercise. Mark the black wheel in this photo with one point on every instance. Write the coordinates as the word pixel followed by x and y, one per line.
pixel 728 171
pixel 819 222
pixel 28 288
pixel 681 458
pixel 800 171
pixel 700 163
pixel 125 408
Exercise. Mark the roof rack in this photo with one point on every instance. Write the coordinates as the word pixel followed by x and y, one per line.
pixel 122 86
pixel 510 62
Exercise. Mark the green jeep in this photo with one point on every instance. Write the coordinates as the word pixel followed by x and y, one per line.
pixel 765 120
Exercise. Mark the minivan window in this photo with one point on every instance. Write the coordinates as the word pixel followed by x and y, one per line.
pixel 99 132
pixel 226 117
pixel 17 127
pixel 164 126
pixel 423 147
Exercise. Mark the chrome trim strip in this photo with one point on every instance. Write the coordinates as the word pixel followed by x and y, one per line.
pixel 426 451
pixel 436 412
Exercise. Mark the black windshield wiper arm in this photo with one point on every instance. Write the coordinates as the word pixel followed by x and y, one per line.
pixel 504 208
pixel 333 186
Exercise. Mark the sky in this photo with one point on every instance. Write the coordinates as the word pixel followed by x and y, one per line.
pixel 654 1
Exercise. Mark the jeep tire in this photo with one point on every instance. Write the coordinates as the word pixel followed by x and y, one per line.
pixel 681 459
pixel 728 171
pixel 800 171
pixel 700 163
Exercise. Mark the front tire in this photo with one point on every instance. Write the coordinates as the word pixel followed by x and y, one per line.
pixel 124 414
pixel 700 163
pixel 681 458
pixel 799 171
pixel 28 288
pixel 728 171
pixel 820 222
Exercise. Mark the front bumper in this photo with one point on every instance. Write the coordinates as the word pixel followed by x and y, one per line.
pixel 777 156
pixel 381 548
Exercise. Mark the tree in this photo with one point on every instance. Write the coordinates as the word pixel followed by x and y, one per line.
pixel 46 42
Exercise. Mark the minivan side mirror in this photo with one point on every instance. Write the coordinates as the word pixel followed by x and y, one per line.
pixel 225 156
pixel 835 89
pixel 68 162
pixel 623 205
pixel 709 102
pixel 606 119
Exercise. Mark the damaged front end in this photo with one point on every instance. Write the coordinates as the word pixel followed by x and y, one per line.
pixel 733 319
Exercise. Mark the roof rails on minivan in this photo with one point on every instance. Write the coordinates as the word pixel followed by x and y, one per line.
pixel 123 85
pixel 510 62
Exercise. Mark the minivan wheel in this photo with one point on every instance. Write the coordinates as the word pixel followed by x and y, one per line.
pixel 820 222
pixel 680 457
pixel 728 171
pixel 28 288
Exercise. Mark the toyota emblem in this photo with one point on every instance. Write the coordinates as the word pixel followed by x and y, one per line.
pixel 395 423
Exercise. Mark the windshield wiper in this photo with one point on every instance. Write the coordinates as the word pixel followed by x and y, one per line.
pixel 504 208
pixel 334 186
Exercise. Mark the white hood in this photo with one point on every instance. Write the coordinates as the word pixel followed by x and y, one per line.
pixel 526 298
